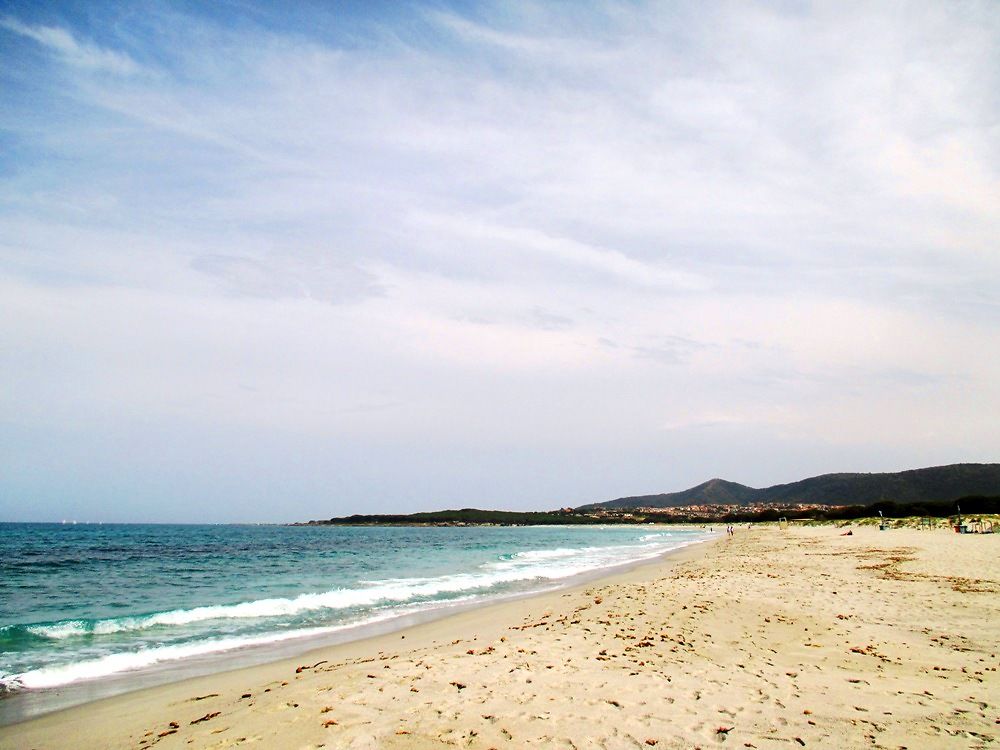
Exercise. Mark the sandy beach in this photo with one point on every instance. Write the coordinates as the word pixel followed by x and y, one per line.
pixel 795 638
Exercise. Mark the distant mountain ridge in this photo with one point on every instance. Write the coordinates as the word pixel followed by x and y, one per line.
pixel 941 483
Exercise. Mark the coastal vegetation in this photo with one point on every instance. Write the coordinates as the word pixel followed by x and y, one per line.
pixel 976 505
pixel 471 517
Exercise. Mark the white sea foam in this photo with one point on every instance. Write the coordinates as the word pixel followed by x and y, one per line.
pixel 116 663
pixel 524 566
pixel 64 629
pixel 547 554
pixel 104 666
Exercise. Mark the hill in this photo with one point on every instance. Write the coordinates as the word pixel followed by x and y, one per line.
pixel 712 492
pixel 936 483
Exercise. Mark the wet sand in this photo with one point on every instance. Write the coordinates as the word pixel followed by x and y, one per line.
pixel 797 638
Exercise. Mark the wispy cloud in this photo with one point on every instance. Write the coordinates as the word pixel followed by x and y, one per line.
pixel 71 50
pixel 276 277
pixel 526 242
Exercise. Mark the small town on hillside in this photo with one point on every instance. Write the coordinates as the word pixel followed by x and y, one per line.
pixel 707 511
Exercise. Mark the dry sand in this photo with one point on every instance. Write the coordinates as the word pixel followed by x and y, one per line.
pixel 772 639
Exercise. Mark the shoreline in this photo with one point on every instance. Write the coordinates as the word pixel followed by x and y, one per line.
pixel 31 705
pixel 791 638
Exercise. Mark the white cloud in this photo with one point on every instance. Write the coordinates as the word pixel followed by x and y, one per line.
pixel 72 51
pixel 520 244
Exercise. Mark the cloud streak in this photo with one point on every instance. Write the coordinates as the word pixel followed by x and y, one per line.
pixel 71 51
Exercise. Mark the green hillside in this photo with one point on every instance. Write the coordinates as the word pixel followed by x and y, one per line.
pixel 936 483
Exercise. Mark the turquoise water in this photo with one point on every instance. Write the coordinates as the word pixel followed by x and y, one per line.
pixel 82 603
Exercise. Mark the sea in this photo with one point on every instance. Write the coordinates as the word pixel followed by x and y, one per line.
pixel 90 610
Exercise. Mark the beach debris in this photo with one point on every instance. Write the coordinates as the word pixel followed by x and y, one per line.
pixel 614 703
pixel 174 725
pixel 326 709
pixel 167 733
pixel 800 741
pixel 459 685
pixel 247 695
pixel 203 697
pixel 329 723
pixel 651 742
pixel 206 717
pixel 724 730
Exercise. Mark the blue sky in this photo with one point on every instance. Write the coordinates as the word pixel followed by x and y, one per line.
pixel 265 264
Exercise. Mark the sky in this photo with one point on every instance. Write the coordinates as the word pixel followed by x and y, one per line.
pixel 273 263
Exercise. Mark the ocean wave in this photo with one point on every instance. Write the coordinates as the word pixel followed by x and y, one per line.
pixel 119 662
pixel 523 566
pixel 64 629
pixel 110 664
